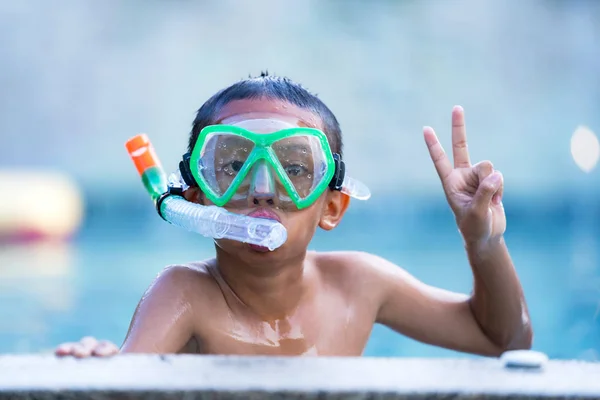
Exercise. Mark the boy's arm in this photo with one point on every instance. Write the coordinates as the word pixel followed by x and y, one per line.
pixel 490 321
pixel 498 302
pixel 495 317
pixel 163 320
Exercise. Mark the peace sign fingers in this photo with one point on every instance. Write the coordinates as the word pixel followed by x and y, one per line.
pixel 442 164
pixel 460 151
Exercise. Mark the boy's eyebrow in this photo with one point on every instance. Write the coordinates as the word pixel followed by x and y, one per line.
pixel 292 146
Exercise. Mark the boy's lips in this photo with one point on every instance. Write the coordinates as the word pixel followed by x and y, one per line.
pixel 264 213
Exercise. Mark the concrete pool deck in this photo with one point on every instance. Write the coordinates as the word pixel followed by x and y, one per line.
pixel 229 377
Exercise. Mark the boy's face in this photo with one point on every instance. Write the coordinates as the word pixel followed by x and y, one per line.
pixel 262 200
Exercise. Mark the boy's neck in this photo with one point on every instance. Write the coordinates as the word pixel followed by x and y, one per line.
pixel 272 290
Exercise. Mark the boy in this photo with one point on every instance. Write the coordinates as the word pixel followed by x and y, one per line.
pixel 293 302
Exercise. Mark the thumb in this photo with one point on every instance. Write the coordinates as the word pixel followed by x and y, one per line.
pixel 486 190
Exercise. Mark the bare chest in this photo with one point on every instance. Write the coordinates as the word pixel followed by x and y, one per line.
pixel 328 330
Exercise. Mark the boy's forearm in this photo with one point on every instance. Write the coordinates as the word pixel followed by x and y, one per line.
pixel 498 302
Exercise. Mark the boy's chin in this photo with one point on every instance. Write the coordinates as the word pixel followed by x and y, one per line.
pixel 290 249
pixel 240 249
pixel 259 249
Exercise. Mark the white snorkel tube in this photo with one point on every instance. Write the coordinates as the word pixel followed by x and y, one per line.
pixel 209 221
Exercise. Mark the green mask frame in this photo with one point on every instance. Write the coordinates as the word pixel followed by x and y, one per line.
pixel 263 150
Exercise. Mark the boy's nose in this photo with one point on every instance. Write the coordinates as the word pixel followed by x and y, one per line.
pixel 263 190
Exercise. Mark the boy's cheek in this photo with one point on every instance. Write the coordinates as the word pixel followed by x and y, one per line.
pixel 303 222
pixel 195 195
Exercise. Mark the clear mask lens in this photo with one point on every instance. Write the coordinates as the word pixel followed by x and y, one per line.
pixel 299 160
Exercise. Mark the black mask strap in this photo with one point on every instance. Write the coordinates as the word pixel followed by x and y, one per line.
pixel 340 172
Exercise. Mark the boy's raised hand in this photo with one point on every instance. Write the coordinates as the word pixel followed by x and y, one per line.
pixel 474 192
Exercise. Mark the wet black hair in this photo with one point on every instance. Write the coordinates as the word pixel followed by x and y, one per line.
pixel 273 88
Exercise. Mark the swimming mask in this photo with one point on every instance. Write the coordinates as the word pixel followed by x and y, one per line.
pixel 234 165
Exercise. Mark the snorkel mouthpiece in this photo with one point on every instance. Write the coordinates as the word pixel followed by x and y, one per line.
pixel 209 221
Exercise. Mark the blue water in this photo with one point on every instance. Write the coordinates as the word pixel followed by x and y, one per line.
pixel 50 293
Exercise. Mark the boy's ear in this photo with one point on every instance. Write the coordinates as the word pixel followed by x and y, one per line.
pixel 334 209
pixel 194 195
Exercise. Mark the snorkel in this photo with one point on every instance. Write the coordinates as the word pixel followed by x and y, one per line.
pixel 209 221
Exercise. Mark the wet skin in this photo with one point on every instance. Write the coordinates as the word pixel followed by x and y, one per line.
pixel 294 302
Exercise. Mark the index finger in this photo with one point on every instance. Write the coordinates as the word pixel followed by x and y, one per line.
pixel 460 151
pixel 438 156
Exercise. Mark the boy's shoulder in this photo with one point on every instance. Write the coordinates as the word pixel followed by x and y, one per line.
pixel 342 258
pixel 350 267
pixel 197 269
pixel 188 278
pixel 347 259
pixel 359 276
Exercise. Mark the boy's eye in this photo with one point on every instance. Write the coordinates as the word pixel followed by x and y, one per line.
pixel 233 167
pixel 295 170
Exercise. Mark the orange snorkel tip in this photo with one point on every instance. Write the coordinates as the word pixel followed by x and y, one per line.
pixel 147 165
pixel 142 153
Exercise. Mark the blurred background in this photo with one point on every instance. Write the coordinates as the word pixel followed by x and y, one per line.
pixel 80 240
